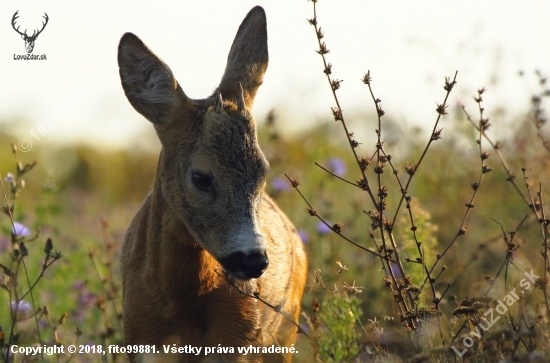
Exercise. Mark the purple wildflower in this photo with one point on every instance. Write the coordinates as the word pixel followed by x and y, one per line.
pixel 22 306
pixel 20 230
pixel 323 228
pixel 79 285
pixel 337 166
pixel 303 235
pixel 87 300
pixel 9 178
pixel 280 184
pixel 396 271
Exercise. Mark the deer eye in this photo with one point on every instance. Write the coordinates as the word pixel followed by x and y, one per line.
pixel 202 182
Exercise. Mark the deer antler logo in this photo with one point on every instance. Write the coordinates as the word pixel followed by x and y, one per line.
pixel 29 40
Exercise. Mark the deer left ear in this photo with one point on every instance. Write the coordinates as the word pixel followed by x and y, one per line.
pixel 147 81
pixel 247 60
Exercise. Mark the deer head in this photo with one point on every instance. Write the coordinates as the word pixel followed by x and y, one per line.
pixel 29 40
pixel 211 170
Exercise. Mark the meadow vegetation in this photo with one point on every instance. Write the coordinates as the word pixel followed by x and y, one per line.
pixel 410 244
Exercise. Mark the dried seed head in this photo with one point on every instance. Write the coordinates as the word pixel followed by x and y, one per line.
pixel 353 288
pixel 362 183
pixel 485 154
pixel 437 134
pixel 485 124
pixel 335 83
pixel 323 49
pixel 294 181
pixel 441 109
pixel 312 212
pixel 410 168
pixel 63 319
pixel 312 21
pixel 320 34
pixel 486 169
pixel 337 227
pixel 383 191
pixel 364 162
pixel 328 69
pixel 49 246
pixel 341 267
pixel 336 113
pixel 448 84
pixel 23 248
pixel 367 78
pixel 379 168
pixel 388 225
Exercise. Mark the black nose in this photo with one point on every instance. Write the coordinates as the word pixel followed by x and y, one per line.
pixel 254 264
pixel 249 266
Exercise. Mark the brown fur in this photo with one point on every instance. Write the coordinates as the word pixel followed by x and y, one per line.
pixel 173 292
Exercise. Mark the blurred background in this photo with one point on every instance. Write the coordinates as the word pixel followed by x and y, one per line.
pixel 97 156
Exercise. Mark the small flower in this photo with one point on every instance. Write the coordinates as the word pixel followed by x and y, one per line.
pixel 20 230
pixel 87 300
pixel 396 271
pixel 323 228
pixel 303 235
pixel 280 184
pixel 22 306
pixel 9 178
pixel 79 285
pixel 337 166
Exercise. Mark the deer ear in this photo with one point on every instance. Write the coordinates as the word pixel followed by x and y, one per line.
pixel 147 81
pixel 247 60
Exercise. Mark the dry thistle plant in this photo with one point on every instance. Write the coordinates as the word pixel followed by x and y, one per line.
pixel 432 331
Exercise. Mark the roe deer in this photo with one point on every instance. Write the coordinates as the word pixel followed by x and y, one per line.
pixel 207 213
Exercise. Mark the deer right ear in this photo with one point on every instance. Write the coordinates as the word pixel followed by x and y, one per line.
pixel 147 81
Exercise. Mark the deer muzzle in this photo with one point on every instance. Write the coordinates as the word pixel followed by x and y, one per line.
pixel 246 266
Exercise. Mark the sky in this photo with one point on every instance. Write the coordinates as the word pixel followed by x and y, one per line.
pixel 409 47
